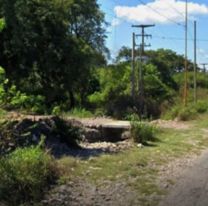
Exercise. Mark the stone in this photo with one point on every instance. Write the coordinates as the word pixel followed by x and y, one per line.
pixel 92 135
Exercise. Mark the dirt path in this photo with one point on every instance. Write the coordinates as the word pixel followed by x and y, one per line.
pixel 106 121
pixel 191 188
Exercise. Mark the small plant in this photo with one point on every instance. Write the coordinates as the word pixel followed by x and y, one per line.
pixel 132 117
pixel 25 174
pixel 56 110
pixel 142 132
pixel 80 112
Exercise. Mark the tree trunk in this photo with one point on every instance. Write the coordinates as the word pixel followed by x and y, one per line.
pixel 72 99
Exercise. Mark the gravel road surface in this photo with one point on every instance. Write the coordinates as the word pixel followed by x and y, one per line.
pixel 191 188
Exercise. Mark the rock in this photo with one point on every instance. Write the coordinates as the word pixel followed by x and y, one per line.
pixel 140 145
pixel 126 135
pixel 92 135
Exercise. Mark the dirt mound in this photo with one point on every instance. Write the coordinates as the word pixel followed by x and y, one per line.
pixel 59 134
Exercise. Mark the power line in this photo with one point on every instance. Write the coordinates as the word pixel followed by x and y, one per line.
pixel 176 10
pixel 156 11
pixel 178 38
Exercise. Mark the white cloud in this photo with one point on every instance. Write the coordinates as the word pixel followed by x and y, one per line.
pixel 115 22
pixel 158 10
pixel 202 52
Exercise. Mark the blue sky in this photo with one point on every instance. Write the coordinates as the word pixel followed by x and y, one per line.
pixel 168 17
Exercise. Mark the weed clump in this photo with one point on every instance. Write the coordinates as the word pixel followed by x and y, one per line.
pixel 201 106
pixel 142 132
pixel 25 174
pixel 181 113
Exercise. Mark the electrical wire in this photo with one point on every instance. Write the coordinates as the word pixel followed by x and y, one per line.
pixel 156 11
pixel 176 10
pixel 178 38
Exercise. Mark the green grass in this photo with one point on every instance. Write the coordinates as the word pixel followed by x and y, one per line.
pixel 24 175
pixel 140 165
pixel 79 112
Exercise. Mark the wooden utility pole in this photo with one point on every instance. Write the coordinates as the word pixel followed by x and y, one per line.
pixel 142 53
pixel 195 65
pixel 185 94
pixel 133 68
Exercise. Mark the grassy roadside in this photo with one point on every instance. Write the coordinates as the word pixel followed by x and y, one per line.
pixel 139 167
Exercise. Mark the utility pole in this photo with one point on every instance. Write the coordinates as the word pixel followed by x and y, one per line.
pixel 142 53
pixel 185 94
pixel 195 65
pixel 133 68
pixel 204 66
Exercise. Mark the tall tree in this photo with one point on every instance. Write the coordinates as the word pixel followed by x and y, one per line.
pixel 50 45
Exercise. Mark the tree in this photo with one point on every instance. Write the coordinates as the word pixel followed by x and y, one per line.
pixel 124 54
pixel 49 46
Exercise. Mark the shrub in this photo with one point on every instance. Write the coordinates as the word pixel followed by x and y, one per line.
pixel 132 117
pixel 56 110
pixel 186 113
pixel 141 132
pixel 31 103
pixel 183 113
pixel 80 112
pixel 201 107
pixel 67 132
pixel 25 174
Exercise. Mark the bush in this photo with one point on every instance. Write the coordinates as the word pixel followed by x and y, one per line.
pixel 56 110
pixel 67 132
pixel 25 174
pixel 201 107
pixel 80 112
pixel 141 132
pixel 187 113
pixel 132 117
pixel 182 113
pixel 18 100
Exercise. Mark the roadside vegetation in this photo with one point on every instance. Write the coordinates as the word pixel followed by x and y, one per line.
pixel 140 167
pixel 25 174
pixel 42 79
pixel 60 66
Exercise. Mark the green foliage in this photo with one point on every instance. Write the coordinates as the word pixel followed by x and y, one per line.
pixel 141 132
pixel 154 85
pixel 56 110
pixel 187 113
pixel 2 24
pixel 12 98
pixel 181 113
pixel 68 133
pixel 25 174
pixel 22 101
pixel 201 106
pixel 114 81
pixel 49 47
pixel 113 96
pixel 115 88
pixel 79 112
pixel 132 117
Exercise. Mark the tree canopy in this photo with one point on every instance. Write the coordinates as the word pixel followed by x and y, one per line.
pixel 49 46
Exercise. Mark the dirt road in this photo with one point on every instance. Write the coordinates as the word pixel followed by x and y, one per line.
pixel 191 188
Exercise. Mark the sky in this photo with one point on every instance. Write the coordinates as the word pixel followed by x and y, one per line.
pixel 169 19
